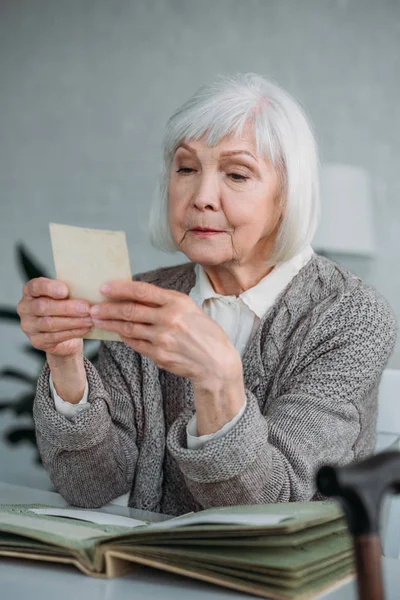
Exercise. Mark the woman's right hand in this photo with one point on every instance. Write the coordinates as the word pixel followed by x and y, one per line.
pixel 52 322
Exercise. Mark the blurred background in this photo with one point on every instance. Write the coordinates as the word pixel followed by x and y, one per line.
pixel 86 87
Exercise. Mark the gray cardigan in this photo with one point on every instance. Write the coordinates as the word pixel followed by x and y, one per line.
pixel 311 375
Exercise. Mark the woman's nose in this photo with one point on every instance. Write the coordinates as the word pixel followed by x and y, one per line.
pixel 207 194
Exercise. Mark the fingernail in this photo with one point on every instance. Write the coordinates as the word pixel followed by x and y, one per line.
pixel 98 322
pixel 88 320
pixel 59 290
pixel 82 307
pixel 95 310
pixel 105 288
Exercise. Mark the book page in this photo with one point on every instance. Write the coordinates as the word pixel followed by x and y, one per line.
pixel 218 517
pixel 85 259
pixel 19 520
pixel 68 530
pixel 92 516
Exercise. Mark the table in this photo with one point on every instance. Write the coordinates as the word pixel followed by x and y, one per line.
pixel 41 581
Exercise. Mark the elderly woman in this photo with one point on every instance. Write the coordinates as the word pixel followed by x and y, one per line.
pixel 240 371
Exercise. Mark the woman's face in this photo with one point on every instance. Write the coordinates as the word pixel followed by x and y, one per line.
pixel 224 204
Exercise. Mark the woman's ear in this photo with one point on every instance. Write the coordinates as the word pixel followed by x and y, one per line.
pixel 281 188
pixel 280 203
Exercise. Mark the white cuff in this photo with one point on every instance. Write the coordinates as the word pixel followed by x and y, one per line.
pixel 66 408
pixel 195 442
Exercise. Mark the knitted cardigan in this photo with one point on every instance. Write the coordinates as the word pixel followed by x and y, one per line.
pixel 311 375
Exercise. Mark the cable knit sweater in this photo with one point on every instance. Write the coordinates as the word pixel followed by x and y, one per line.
pixel 311 376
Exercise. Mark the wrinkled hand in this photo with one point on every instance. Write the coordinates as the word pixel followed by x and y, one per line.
pixel 53 323
pixel 170 329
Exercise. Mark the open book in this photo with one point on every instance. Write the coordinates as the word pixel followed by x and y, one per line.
pixel 278 551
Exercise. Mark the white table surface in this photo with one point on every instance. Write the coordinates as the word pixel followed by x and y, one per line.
pixel 44 581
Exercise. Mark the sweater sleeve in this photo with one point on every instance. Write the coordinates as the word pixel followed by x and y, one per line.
pixel 68 409
pixel 325 403
pixel 90 457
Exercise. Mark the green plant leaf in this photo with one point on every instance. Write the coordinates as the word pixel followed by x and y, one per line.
pixel 34 351
pixel 92 356
pixel 17 374
pixel 24 404
pixel 28 265
pixel 21 434
pixel 9 314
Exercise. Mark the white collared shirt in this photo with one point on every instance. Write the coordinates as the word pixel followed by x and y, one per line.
pixel 239 316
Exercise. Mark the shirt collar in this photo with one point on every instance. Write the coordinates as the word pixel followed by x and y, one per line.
pixel 260 297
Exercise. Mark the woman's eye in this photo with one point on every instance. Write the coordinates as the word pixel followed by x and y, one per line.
pixel 185 170
pixel 237 177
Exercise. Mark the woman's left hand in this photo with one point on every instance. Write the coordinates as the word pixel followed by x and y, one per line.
pixel 170 329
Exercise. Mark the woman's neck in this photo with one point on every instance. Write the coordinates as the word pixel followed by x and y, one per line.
pixel 234 280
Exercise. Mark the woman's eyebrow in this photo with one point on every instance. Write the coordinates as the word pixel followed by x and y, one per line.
pixel 187 147
pixel 236 152
pixel 223 154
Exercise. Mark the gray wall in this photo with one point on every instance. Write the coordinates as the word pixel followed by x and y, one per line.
pixel 87 85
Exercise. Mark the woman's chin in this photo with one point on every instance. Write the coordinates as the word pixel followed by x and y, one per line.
pixel 206 256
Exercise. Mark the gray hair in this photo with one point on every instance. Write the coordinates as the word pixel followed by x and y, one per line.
pixel 282 135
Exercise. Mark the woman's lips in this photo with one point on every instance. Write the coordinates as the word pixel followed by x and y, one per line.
pixel 205 232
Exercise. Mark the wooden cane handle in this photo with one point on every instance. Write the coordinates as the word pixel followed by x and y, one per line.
pixel 368 553
pixel 359 487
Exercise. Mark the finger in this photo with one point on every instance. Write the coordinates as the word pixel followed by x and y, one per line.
pixel 141 346
pixel 57 308
pixel 43 286
pixel 138 291
pixel 127 329
pixel 162 359
pixel 55 324
pixel 42 340
pixel 124 311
